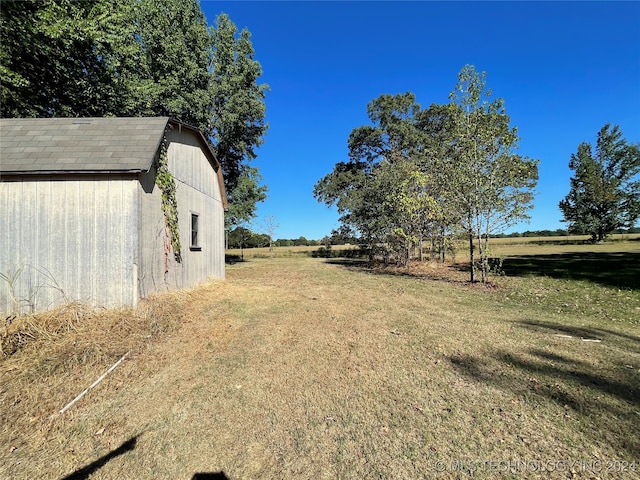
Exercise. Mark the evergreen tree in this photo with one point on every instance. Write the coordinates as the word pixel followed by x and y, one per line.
pixel 605 188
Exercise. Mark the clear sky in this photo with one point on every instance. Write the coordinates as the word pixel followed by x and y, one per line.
pixel 564 69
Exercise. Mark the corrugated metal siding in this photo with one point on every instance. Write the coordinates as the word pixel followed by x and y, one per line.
pixel 74 238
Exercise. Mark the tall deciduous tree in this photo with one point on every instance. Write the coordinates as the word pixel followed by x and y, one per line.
pixel 67 58
pixel 605 188
pixel 246 194
pixel 439 126
pixel 387 139
pixel 381 192
pixel 408 205
pixel 237 124
pixel 173 76
pixel 491 186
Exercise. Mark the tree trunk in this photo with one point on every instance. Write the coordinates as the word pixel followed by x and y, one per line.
pixel 483 260
pixel 471 258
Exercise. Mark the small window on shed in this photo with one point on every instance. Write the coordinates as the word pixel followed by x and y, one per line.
pixel 195 233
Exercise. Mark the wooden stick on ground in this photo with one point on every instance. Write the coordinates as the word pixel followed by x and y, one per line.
pixel 113 367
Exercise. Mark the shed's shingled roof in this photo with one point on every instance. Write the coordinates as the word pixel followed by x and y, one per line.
pixel 65 145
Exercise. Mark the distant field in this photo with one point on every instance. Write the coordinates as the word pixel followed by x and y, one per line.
pixel 498 246
pixel 264 252
pixel 313 368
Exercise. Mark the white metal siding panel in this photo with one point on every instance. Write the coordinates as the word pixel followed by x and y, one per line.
pixel 75 239
pixel 197 191
pixel 152 277
pixel 102 242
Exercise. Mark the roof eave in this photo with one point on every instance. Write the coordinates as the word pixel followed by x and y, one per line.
pixel 7 173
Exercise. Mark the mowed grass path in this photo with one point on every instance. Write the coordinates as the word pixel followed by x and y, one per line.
pixel 299 368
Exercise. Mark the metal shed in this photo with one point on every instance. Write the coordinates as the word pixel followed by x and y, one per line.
pixel 81 215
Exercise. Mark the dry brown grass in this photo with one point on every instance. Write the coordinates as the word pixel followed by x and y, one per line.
pixel 300 368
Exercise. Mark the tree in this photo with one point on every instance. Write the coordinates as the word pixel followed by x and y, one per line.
pixel 439 126
pixel 605 189
pixel 489 185
pixel 417 173
pixel 270 225
pixel 64 58
pixel 237 116
pixel 245 196
pixel 361 188
pixel 409 206
pixel 106 58
pixel 173 77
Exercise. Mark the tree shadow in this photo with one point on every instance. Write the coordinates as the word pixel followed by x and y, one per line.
pixel 231 259
pixel 85 472
pixel 621 340
pixel 210 476
pixel 389 270
pixel 605 394
pixel 353 263
pixel 620 269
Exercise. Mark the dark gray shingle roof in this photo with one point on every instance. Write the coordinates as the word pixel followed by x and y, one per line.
pixel 56 145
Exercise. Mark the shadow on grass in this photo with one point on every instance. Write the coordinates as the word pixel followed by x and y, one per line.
pixel 448 274
pixel 210 476
pixel 231 259
pixel 621 340
pixel 85 472
pixel 354 263
pixel 601 389
pixel 620 270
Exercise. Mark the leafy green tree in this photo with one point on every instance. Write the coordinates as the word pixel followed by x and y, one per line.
pixel 173 76
pixel 101 58
pixel 408 204
pixel 237 116
pixel 67 58
pixel 605 189
pixel 238 237
pixel 490 185
pixel 439 126
pixel 360 187
pixel 428 173
pixel 301 241
pixel 244 197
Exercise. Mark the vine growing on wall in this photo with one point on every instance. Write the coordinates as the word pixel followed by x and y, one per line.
pixel 167 185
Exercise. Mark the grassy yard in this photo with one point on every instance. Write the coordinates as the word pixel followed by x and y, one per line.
pixel 300 367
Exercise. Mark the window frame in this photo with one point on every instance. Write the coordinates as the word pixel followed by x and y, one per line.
pixel 196 247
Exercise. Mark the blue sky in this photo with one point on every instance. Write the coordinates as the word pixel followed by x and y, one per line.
pixel 564 69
